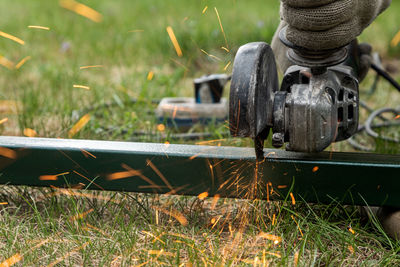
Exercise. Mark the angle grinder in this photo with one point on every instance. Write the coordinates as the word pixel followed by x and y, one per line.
pixel 316 104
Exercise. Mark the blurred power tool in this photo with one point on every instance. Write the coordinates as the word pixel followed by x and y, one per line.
pixel 317 103
pixel 207 105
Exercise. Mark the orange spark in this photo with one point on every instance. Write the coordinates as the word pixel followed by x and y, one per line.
pixel 122 175
pixel 81 86
pixel 315 169
pixel 6 63
pixel 157 171
pixel 3 203
pixel 273 254
pixel 273 219
pixel 22 62
pixel 215 201
pixel 87 153
pixel 351 230
pixel 212 56
pixel 11 37
pixel 174 41
pixel 51 177
pixel 82 10
pixel 79 125
pixel 80 215
pixel 282 186
pixel 57 261
pixel 351 249
pixel 203 195
pixel 150 75
pixel 160 252
pixel 222 28
pixel 224 48
pixel 174 213
pixel 48 177
pixel 161 127
pixel 298 227
pixel 227 65
pixel 397 117
pixel 396 40
pixel 3 120
pixel 91 181
pixel 30 132
pixel 91 66
pixel 204 10
pixel 8 153
pixel 274 238
pixel 296 258
pixel 38 27
pixel 292 197
pixel 12 260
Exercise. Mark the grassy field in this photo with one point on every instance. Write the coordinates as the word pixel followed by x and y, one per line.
pixel 40 227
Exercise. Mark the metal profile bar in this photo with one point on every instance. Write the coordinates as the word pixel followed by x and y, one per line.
pixel 352 178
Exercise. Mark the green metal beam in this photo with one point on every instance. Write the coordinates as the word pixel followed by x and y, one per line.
pixel 191 170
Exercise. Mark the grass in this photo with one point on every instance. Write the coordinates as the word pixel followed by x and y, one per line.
pixel 46 226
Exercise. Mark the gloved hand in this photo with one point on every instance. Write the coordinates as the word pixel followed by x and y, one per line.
pixel 328 24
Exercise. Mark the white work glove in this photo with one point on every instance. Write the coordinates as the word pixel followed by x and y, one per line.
pixel 328 24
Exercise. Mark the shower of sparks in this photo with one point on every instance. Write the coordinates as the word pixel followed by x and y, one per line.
pixel 3 121
pixel 212 56
pixel 8 153
pixel 203 195
pixel 6 62
pixel 79 125
pixel 174 41
pixel 396 40
pixel 57 261
pixel 150 75
pixel 81 86
pixel 11 37
pixel 292 197
pixel 204 10
pixel 91 66
pixel 22 62
pixel 39 27
pixel 82 10
pixel 222 28
pixel 227 65
pixel 30 132
pixel 315 169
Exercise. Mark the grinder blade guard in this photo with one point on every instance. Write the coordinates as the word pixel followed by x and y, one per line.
pixel 316 105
